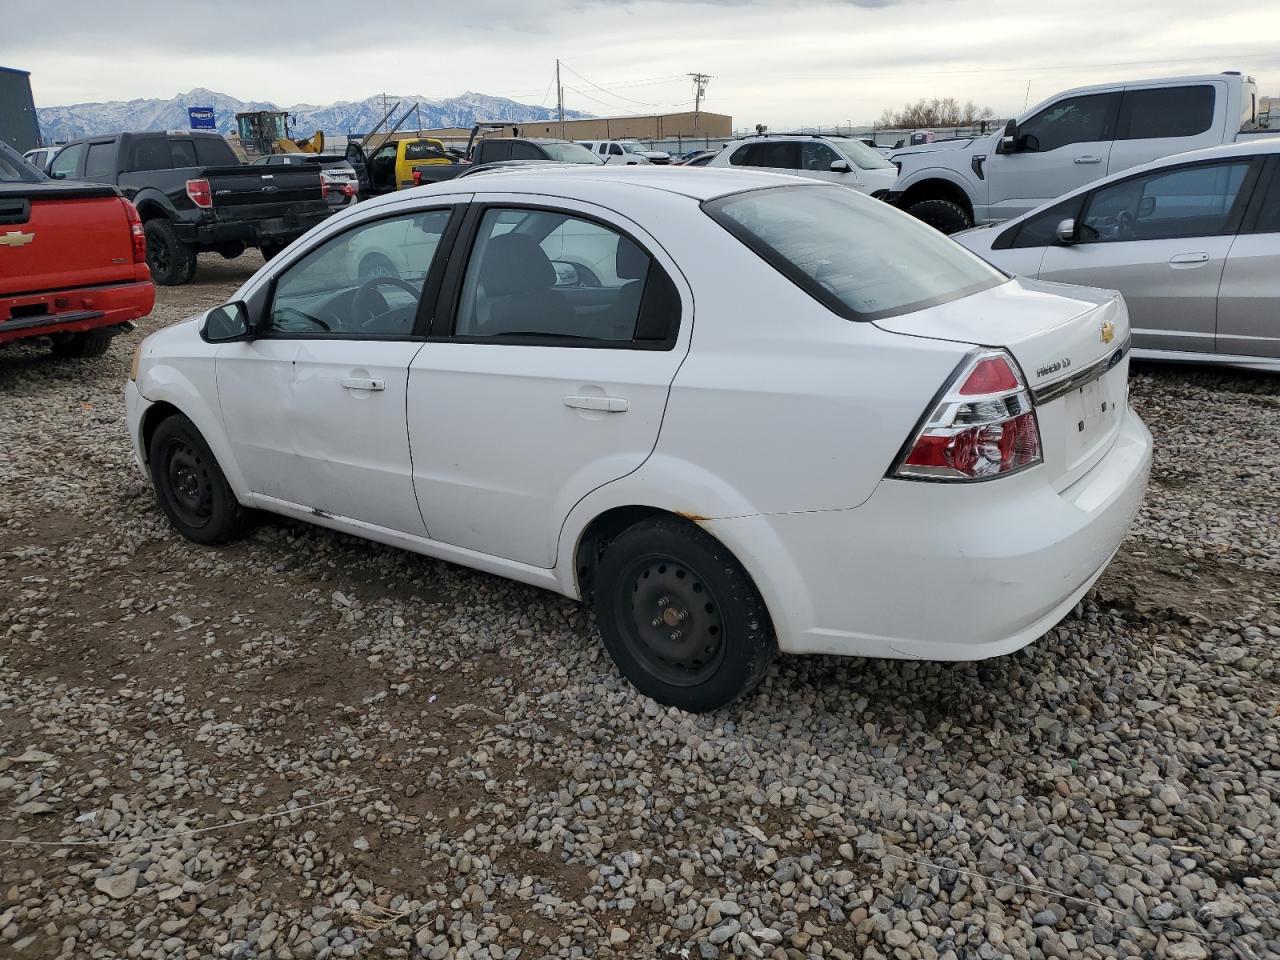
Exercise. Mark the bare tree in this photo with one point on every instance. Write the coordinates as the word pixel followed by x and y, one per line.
pixel 935 112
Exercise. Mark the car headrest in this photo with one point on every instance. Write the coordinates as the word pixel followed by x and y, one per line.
pixel 514 263
pixel 630 262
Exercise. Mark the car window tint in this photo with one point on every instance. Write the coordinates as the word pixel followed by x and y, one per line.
pixel 1166 112
pixel 780 154
pixel 817 156
pixel 365 282
pixel 1084 119
pixel 525 151
pixel 1269 210
pixel 615 150
pixel 99 164
pixel 1189 202
pixel 742 157
pixel 496 150
pixel 65 163
pixel 860 257
pixel 183 153
pixel 544 274
pixel 1041 229
pixel 214 152
pixel 151 153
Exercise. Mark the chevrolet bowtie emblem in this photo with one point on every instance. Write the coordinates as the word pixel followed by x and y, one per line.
pixel 16 239
pixel 1108 331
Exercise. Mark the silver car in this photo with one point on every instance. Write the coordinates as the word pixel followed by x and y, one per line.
pixel 1192 241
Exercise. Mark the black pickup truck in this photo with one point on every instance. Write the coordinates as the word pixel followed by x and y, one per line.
pixel 194 195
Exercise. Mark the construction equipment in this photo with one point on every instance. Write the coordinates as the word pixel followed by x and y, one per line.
pixel 264 132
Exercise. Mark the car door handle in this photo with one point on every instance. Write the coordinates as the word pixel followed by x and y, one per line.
pixel 1088 159
pixel 362 383
pixel 1184 258
pixel 607 404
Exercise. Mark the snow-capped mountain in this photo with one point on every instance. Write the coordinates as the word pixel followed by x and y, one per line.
pixel 346 116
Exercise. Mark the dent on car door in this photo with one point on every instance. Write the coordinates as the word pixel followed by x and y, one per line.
pixel 541 383
pixel 314 406
pixel 1161 239
pixel 1248 319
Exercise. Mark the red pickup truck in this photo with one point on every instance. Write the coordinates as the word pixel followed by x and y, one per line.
pixel 73 261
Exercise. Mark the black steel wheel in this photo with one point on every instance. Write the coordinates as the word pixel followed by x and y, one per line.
pixel 171 261
pixel 191 487
pixel 680 616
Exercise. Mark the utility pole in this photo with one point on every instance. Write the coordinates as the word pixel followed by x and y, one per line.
pixel 559 99
pixel 700 81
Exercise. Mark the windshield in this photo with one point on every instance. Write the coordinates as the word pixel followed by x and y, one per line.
pixel 13 169
pixel 862 155
pixel 570 153
pixel 631 148
pixel 860 257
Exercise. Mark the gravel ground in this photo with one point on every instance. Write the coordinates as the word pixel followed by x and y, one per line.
pixel 305 745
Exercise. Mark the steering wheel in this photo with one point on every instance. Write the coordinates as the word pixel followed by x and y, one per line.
pixel 364 308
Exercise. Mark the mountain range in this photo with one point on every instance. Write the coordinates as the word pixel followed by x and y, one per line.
pixel 345 116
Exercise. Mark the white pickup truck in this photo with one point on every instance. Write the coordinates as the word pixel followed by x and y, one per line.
pixel 1067 141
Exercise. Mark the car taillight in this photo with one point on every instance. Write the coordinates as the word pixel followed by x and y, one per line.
pixel 417 178
pixel 983 427
pixel 200 194
pixel 136 232
pixel 324 189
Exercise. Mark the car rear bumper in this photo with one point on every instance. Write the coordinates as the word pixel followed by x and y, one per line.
pixel 56 312
pixel 941 571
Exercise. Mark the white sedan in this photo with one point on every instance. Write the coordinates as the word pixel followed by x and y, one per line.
pixel 781 417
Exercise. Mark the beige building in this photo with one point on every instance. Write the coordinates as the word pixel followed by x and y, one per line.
pixel 658 126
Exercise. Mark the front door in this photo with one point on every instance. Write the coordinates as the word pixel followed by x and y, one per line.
pixel 315 405
pixel 1060 148
pixel 547 377
pixel 1162 240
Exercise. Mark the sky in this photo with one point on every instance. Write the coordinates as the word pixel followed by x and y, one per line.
pixel 775 62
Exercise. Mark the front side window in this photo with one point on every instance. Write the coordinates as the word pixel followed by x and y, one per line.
pixel 365 282
pixel 1166 112
pixel 1041 229
pixel 1190 202
pixel 817 156
pixel 65 163
pixel 859 257
pixel 862 155
pixel 615 150
pixel 555 278
pixel 525 151
pixel 99 164
pixel 1084 119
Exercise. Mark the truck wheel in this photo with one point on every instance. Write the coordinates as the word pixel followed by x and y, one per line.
pixel 172 262
pixel 681 617
pixel 191 487
pixel 79 346
pixel 942 215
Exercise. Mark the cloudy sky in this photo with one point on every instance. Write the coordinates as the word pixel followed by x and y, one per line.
pixel 773 61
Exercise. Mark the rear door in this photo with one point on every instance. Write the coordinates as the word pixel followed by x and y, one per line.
pixel 1161 238
pixel 1248 315
pixel 1159 121
pixel 540 383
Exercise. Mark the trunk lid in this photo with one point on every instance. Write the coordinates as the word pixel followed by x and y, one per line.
pixel 1073 346
pixel 56 236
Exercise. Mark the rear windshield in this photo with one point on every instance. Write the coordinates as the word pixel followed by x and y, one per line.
pixel 861 154
pixel 860 257
pixel 570 153
pixel 13 169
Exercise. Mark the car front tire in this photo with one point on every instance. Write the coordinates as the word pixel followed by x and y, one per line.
pixel 942 215
pixel 191 487
pixel 681 617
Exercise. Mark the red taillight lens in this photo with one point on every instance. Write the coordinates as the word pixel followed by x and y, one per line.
pixel 136 232
pixel 984 427
pixel 200 194
pixel 324 189
pixel 417 178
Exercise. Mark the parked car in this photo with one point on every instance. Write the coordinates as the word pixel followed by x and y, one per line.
pixel 698 158
pixel 842 160
pixel 1069 140
pixel 625 152
pixel 194 195
pixel 1192 241
pixel 494 149
pixel 868 415
pixel 339 181
pixel 40 157
pixel 73 261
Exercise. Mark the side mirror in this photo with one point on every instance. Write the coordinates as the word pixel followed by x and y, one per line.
pixel 1009 139
pixel 227 324
pixel 1066 232
pixel 840 166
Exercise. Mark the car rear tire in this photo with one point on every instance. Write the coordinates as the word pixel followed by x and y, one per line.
pixel 943 215
pixel 172 262
pixel 681 617
pixel 191 487
pixel 81 346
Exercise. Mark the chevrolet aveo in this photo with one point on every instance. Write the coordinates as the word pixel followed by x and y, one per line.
pixel 738 413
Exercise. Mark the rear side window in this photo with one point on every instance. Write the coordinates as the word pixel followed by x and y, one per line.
pixel 1166 112
pixel 1269 210
pixel 151 153
pixel 495 150
pixel 99 164
pixel 214 152
pixel 183 153
pixel 859 257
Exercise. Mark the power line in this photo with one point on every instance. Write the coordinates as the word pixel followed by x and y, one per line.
pixel 619 96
